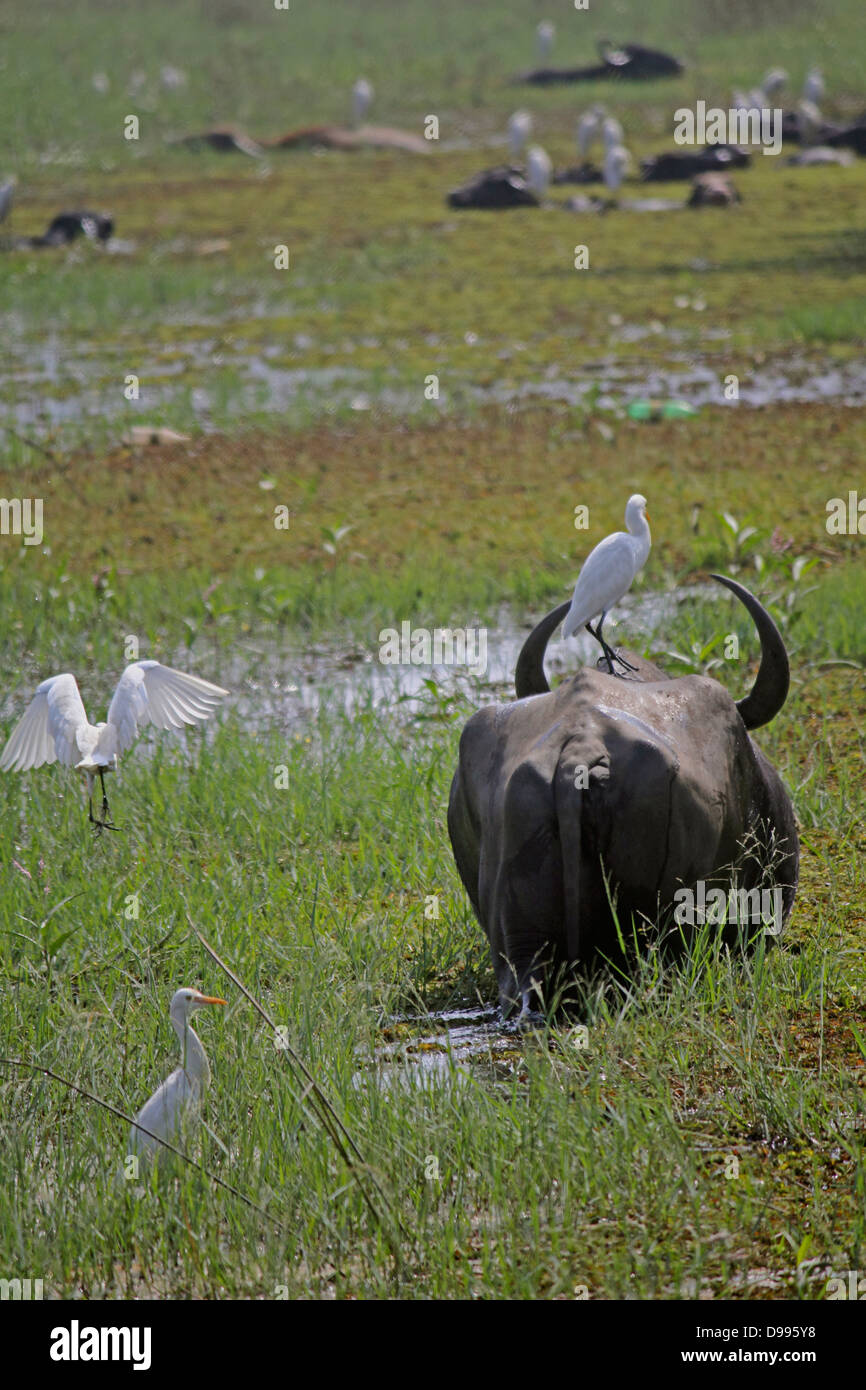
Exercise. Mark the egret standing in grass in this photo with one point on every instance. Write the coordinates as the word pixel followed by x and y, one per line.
pixel 544 36
pixel 519 131
pixel 611 132
pixel 813 87
pixel 362 97
pixel 616 162
pixel 773 82
pixel 539 170
pixel 809 121
pixel 54 727
pixel 607 574
pixel 589 129
pixel 7 193
pixel 179 1098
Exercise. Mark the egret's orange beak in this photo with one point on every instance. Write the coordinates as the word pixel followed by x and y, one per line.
pixel 208 999
pixel 646 513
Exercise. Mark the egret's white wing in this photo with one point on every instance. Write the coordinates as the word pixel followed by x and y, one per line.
pixel 176 1100
pixel 149 692
pixel 48 728
pixel 607 573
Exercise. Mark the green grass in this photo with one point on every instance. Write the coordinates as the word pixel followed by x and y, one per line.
pixel 384 280
pixel 558 1166
pixel 607 1168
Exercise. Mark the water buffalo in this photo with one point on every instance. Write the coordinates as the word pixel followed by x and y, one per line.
pixel 615 790
pixel 685 164
pixel 629 60
pixel 502 187
pixel 712 191
pixel 66 226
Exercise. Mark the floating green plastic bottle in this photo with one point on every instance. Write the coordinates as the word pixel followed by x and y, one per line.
pixel 678 410
pixel 644 409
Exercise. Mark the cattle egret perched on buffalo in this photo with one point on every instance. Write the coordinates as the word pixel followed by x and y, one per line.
pixel 519 131
pixel 362 96
pixel 55 726
pixel 539 170
pixel 607 574
pixel 544 36
pixel 576 816
pixel 179 1097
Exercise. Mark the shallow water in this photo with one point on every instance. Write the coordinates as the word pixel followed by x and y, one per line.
pixel 53 387
pixel 442 1048
pixel 282 688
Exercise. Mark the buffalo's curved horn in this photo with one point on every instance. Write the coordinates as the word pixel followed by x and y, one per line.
pixel 529 677
pixel 770 690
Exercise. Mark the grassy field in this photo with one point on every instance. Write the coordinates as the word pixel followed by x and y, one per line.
pixel 704 1137
pixel 385 285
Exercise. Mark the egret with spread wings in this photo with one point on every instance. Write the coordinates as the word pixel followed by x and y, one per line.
pixel 55 726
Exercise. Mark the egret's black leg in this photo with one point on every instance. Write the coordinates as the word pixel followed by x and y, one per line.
pixel 609 654
pixel 609 651
pixel 105 823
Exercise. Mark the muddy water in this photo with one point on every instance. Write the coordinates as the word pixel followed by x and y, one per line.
pixel 442 1048
pixel 51 387
pixel 283 688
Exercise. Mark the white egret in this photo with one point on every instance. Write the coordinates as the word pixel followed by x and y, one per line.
pixel 54 727
pixel 616 162
pixel 607 574
pixel 762 96
pixel 362 96
pixel 179 1098
pixel 172 79
pixel 7 193
pixel 519 131
pixel 544 36
pixel 813 87
pixel 589 129
pixel 539 170
pixel 809 121
pixel 611 132
pixel 773 82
